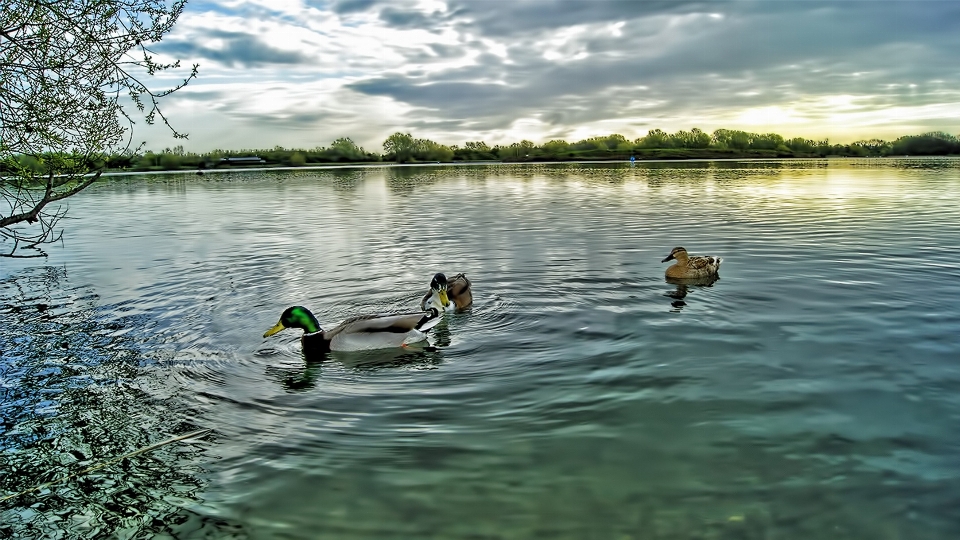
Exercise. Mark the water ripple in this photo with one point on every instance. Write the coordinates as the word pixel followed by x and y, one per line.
pixel 812 389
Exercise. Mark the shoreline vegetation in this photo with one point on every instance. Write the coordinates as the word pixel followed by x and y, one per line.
pixel 404 148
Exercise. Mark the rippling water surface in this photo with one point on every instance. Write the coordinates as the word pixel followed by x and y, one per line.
pixel 812 392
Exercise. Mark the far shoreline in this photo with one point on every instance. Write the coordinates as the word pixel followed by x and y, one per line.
pixel 367 165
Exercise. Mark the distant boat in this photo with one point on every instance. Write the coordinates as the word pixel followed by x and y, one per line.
pixel 249 160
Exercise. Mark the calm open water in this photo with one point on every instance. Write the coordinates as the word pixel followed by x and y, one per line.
pixel 812 392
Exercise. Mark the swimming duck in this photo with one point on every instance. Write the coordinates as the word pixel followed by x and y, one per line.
pixel 688 267
pixel 444 294
pixel 363 332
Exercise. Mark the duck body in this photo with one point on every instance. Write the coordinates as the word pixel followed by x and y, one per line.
pixel 359 333
pixel 687 267
pixel 447 294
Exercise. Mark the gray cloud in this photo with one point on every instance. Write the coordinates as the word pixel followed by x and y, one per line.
pixel 525 18
pixel 241 50
pixel 447 51
pixel 192 95
pixel 343 7
pixel 410 18
pixel 758 54
pixel 301 120
pixel 573 63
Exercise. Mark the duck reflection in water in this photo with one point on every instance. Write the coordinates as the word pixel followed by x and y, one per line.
pixel 305 377
pixel 683 287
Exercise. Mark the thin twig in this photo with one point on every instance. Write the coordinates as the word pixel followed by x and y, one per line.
pixel 110 462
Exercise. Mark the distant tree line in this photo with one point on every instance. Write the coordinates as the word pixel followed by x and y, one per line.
pixel 723 143
pixel 404 148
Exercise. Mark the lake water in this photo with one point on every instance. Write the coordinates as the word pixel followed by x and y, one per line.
pixel 812 392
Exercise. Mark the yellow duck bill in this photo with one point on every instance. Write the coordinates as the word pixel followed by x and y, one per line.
pixel 278 327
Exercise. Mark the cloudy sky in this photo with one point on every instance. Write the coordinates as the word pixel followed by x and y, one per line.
pixel 301 73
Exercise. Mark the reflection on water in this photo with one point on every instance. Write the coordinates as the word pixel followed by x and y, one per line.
pixel 303 377
pixel 73 396
pixel 683 287
pixel 812 392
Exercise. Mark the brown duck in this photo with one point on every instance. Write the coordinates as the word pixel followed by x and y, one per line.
pixel 687 267
pixel 445 294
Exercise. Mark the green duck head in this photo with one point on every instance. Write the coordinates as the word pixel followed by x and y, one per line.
pixel 295 317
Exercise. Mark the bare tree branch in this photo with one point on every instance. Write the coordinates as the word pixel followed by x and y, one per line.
pixel 65 68
pixel 48 197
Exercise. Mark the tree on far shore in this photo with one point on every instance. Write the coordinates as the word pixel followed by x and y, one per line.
pixel 401 145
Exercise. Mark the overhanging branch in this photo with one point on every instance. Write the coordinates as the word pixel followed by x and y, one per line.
pixel 49 196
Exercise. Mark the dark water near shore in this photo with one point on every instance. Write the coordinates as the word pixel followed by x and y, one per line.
pixel 812 392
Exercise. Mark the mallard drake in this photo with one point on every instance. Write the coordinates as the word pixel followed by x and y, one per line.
pixel 444 294
pixel 688 267
pixel 363 332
